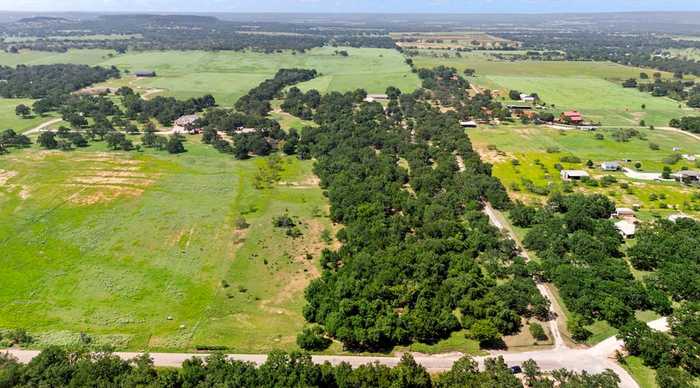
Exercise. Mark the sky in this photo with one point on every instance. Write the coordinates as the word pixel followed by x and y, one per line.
pixel 345 6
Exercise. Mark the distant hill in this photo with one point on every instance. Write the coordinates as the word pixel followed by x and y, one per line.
pixel 42 19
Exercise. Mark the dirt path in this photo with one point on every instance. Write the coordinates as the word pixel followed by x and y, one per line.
pixel 500 223
pixel 694 136
pixel 42 126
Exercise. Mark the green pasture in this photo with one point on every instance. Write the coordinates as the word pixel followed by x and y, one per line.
pixel 228 74
pixel 501 145
pixel 143 250
pixel 486 64
pixel 597 99
pixel 8 118
pixel 642 374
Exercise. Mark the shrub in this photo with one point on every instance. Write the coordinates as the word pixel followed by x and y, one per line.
pixel 570 159
pixel 313 338
pixel 552 150
pixel 537 331
pixel 654 146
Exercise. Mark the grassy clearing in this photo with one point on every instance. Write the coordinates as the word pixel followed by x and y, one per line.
pixel 486 64
pixel 228 75
pixel 642 374
pixel 529 146
pixel 8 118
pixel 114 244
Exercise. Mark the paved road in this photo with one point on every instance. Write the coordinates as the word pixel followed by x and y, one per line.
pixel 593 360
pixel 42 126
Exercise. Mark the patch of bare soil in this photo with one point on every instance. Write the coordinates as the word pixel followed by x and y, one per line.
pixel 310 182
pixel 107 179
pixel 492 156
pixel 6 175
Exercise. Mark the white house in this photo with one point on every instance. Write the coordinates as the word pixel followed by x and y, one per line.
pixel 376 97
pixel 626 228
pixel 573 175
pixel 468 124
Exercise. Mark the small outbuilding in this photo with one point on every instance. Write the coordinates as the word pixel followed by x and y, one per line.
pixel 610 166
pixel 145 73
pixel 376 97
pixel 468 124
pixel 186 124
pixel 573 175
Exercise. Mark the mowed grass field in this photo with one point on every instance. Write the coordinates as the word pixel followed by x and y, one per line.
pixel 228 75
pixel 528 145
pixel 8 118
pixel 143 251
pixel 593 88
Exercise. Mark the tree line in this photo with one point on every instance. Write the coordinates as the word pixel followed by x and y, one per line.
pixel 257 100
pixel 39 81
pixel 59 367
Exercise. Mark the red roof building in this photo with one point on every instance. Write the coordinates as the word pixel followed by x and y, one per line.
pixel 573 117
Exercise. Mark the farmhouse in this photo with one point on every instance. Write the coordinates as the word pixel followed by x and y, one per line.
pixel 687 176
pixel 623 212
pixel 468 124
pixel 610 166
pixel 573 175
pixel 626 228
pixel 185 124
pixel 243 130
pixel 572 117
pixel 376 97
pixel 145 73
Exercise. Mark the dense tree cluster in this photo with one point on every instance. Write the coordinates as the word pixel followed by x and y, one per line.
pixel 415 246
pixel 671 250
pixel 58 367
pixel 301 104
pixel 257 101
pixel 580 251
pixel 11 139
pixel 250 134
pixel 164 109
pixel 677 353
pixel 39 81
pixel 688 123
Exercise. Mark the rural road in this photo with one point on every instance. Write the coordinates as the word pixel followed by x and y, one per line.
pixel 42 126
pixel 696 137
pixel 498 222
pixel 593 360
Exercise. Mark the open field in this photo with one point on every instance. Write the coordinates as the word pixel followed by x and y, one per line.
pixel 143 251
pixel 8 118
pixel 500 146
pixel 486 64
pixel 228 75
pixel 599 100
